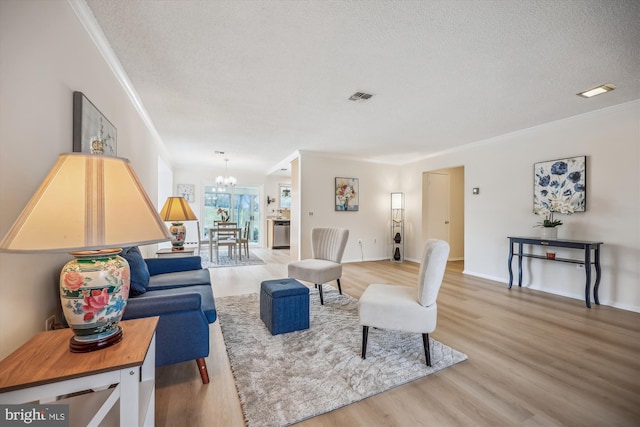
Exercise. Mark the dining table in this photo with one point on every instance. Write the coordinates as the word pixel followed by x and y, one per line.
pixel 237 231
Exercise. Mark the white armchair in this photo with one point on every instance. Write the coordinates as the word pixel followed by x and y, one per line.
pixel 407 308
pixel 327 245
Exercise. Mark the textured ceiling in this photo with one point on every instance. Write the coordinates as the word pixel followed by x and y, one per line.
pixel 262 79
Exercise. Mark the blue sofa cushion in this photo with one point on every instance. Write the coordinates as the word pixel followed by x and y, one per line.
pixel 139 270
pixel 179 279
pixel 157 302
pixel 171 265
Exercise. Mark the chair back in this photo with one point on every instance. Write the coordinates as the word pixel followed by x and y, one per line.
pixel 226 231
pixel 329 243
pixel 432 267
pixel 247 230
pixel 225 224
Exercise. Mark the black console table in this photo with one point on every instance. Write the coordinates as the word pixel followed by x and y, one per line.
pixel 587 247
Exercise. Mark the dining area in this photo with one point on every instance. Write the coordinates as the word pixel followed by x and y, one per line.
pixel 227 234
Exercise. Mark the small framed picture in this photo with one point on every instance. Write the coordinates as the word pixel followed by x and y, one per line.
pixel 347 194
pixel 93 133
pixel 188 191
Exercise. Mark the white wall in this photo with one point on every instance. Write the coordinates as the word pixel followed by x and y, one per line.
pixel 371 222
pixel 503 169
pixel 45 55
pixel 167 189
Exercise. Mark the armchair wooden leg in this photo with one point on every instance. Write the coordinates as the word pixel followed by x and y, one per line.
pixel 427 352
pixel 339 287
pixel 365 335
pixel 202 368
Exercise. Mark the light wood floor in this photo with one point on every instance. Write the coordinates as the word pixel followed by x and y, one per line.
pixel 535 359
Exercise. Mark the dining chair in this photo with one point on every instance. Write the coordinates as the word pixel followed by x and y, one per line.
pixel 226 235
pixel 203 241
pixel 244 238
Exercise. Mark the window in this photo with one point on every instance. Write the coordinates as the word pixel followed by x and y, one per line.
pixel 215 199
pixel 247 208
pixel 285 196
pixel 240 203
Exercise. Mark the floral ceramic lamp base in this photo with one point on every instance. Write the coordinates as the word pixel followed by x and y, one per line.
pixel 178 235
pixel 94 288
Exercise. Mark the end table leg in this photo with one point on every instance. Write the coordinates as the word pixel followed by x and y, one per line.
pixel 598 274
pixel 510 261
pixel 520 264
pixel 129 396
pixel 587 271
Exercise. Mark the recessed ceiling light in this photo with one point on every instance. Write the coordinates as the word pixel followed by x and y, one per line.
pixel 597 90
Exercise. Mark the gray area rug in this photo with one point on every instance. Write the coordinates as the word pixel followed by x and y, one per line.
pixel 225 261
pixel 284 379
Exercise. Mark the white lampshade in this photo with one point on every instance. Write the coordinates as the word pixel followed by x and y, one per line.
pixel 86 202
pixel 396 201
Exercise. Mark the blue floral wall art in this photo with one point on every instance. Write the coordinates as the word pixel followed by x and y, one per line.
pixel 560 186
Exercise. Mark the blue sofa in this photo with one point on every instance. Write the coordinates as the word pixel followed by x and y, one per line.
pixel 179 291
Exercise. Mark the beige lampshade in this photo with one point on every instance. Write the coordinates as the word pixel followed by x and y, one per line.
pixel 396 201
pixel 86 202
pixel 177 209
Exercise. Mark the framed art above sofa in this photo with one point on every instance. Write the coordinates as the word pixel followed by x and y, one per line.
pixel 92 132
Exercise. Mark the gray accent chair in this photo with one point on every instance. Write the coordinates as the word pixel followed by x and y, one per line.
pixel 407 308
pixel 327 245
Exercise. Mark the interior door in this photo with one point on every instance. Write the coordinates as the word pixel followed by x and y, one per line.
pixel 438 205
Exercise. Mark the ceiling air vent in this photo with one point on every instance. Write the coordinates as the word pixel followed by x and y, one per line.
pixel 360 96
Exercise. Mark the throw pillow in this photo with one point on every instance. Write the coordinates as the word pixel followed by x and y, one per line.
pixel 139 270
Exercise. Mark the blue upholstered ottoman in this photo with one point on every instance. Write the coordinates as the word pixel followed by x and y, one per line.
pixel 284 305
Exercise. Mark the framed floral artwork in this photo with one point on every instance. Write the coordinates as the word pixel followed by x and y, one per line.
pixel 92 132
pixel 188 191
pixel 560 186
pixel 347 194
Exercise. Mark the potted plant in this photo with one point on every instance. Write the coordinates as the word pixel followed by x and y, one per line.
pixel 549 224
pixel 224 215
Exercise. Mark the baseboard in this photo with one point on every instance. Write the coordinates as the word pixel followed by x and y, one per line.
pixel 559 292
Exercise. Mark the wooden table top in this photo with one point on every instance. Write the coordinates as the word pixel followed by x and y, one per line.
pixel 46 357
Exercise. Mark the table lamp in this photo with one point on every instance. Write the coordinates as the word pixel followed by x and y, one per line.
pixel 90 206
pixel 176 210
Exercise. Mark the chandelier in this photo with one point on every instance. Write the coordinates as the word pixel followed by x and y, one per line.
pixel 226 180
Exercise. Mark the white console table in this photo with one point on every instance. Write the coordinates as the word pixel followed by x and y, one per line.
pixel 111 386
